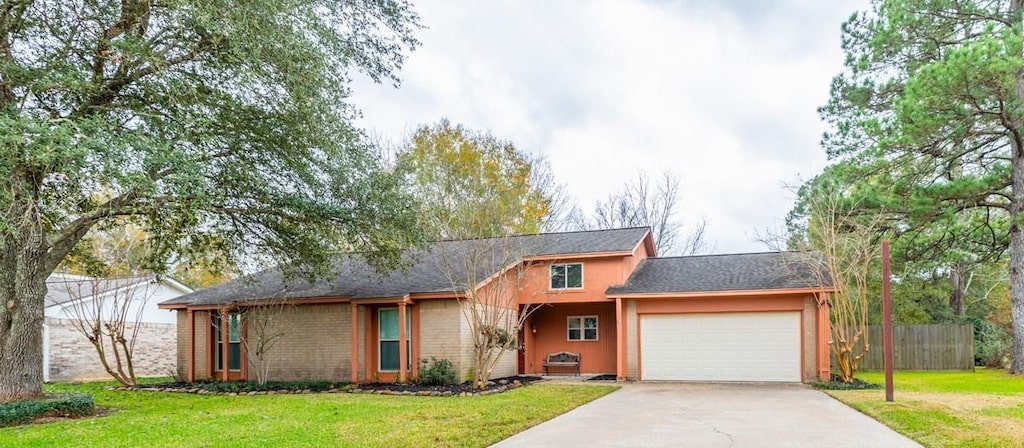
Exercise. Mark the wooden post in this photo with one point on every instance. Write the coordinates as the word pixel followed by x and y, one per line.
pixel 224 345
pixel 403 356
pixel 620 341
pixel 887 346
pixel 191 374
pixel 355 343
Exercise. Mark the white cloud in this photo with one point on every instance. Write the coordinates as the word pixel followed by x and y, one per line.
pixel 723 95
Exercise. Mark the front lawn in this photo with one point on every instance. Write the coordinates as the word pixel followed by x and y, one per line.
pixel 944 409
pixel 175 419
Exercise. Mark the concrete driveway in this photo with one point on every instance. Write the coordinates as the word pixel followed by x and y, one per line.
pixel 711 415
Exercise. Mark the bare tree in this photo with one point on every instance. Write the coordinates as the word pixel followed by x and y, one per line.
pixel 108 311
pixel 642 202
pixel 490 277
pixel 839 247
pixel 262 332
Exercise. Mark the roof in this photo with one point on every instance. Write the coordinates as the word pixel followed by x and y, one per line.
pixel 62 288
pixel 732 272
pixel 424 270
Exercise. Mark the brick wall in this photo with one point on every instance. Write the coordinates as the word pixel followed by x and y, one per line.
pixel 506 365
pixel 810 320
pixel 73 357
pixel 440 331
pixel 632 356
pixel 315 343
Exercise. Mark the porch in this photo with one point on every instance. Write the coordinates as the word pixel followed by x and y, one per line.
pixel 589 329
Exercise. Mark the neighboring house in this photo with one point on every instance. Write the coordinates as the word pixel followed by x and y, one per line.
pixel 743 317
pixel 67 353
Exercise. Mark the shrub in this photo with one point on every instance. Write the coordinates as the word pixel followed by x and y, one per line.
pixel 838 384
pixel 436 372
pixel 63 405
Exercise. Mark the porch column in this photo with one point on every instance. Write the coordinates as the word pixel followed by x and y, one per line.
pixel 355 343
pixel 403 356
pixel 190 374
pixel 414 356
pixel 824 330
pixel 620 342
pixel 224 345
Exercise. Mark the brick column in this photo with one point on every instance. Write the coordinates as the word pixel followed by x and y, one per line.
pixel 355 343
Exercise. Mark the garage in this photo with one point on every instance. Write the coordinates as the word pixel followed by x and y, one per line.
pixel 741 346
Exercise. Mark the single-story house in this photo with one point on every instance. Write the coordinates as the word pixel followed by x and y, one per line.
pixel 601 294
pixel 69 356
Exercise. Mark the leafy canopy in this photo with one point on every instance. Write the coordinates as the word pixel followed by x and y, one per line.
pixel 473 184
pixel 209 123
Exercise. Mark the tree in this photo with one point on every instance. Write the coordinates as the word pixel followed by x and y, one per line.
pixel 107 306
pixel 473 184
pixel 262 332
pixel 490 277
pixel 204 122
pixel 842 248
pixel 928 114
pixel 641 204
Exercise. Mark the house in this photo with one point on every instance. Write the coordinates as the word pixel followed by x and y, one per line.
pixel 67 353
pixel 602 294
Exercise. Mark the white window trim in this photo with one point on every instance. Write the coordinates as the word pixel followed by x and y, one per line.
pixel 582 283
pixel 408 341
pixel 597 328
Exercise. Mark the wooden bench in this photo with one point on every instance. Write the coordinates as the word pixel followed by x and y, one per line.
pixel 562 359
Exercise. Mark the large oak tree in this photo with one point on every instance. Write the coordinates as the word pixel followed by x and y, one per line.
pixel 207 122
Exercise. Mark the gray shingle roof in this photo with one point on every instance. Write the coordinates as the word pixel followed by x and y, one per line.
pixel 734 272
pixel 424 272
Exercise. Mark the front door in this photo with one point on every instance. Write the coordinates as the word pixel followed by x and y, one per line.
pixel 387 341
pixel 234 346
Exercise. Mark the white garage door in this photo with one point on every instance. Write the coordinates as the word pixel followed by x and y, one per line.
pixel 721 347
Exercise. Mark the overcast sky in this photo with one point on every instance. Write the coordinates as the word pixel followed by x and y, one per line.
pixel 722 93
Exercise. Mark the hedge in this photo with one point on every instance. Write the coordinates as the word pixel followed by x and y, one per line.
pixel 58 405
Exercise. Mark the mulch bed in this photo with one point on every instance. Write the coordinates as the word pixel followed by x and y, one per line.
pixel 602 378
pixel 494 386
pixel 234 389
pixel 238 388
pixel 837 383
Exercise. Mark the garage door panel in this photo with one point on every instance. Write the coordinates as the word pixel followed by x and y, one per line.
pixel 721 347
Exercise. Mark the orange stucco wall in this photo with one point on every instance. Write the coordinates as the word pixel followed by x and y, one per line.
pixel 551 323
pixel 598 275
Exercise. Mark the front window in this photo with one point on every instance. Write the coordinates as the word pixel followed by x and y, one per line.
pixel 582 328
pixel 388 339
pixel 566 276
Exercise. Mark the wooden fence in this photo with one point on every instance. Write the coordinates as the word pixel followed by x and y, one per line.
pixel 923 347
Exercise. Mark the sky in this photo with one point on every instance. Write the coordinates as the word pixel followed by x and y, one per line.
pixel 723 94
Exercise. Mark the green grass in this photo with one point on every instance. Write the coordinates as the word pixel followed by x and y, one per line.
pixel 982 381
pixel 170 419
pixel 947 409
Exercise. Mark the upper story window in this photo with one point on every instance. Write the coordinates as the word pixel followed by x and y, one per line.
pixel 567 276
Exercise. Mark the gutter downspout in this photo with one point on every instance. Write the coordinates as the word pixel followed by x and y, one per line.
pixel 46 353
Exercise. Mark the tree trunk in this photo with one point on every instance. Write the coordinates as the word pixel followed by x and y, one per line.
pixel 1017 259
pixel 22 291
pixel 1016 234
pixel 956 299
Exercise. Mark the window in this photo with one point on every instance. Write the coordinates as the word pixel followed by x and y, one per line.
pixel 387 332
pixel 234 342
pixel 566 276
pixel 583 328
